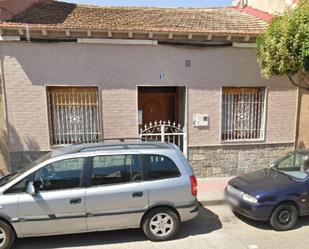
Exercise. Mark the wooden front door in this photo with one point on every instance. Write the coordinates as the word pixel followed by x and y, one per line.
pixel 158 103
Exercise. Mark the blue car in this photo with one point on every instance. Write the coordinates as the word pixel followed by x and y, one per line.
pixel 279 194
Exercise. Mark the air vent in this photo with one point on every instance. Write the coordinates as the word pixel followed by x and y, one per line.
pixel 188 63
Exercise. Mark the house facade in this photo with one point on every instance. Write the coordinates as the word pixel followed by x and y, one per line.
pixel 189 76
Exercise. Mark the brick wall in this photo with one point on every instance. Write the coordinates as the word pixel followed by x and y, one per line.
pixel 26 108
pixel 22 159
pixel 119 116
pixel 117 70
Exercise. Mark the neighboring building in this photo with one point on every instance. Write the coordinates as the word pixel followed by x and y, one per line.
pixel 277 7
pixel 269 6
pixel 9 8
pixel 303 131
pixel 80 73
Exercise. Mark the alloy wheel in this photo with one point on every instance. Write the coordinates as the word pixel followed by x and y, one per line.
pixel 161 224
pixel 2 237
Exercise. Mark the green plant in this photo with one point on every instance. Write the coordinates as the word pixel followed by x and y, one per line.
pixel 284 48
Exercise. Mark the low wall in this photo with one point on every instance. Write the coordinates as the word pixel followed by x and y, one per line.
pixel 21 159
pixel 231 160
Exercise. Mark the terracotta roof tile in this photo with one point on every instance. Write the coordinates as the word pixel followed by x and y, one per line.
pixel 255 12
pixel 71 16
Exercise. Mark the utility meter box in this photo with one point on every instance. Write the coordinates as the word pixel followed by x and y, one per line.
pixel 200 120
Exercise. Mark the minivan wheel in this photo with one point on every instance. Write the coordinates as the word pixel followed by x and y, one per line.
pixel 284 217
pixel 161 224
pixel 7 236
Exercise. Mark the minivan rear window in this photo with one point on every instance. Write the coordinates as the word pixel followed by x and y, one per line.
pixel 159 167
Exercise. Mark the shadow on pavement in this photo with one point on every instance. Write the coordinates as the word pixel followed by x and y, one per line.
pixel 204 223
pixel 302 222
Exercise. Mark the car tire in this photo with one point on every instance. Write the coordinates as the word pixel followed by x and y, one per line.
pixel 7 235
pixel 161 224
pixel 284 217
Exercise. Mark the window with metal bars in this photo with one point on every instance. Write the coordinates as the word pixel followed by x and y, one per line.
pixel 243 114
pixel 74 114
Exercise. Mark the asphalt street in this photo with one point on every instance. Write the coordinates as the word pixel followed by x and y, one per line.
pixel 216 227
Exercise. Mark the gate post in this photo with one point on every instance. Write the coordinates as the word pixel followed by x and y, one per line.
pixel 185 148
pixel 162 132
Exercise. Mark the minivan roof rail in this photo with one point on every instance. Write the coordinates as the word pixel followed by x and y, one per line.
pixel 123 139
pixel 125 143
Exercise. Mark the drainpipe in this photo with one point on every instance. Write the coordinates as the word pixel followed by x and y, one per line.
pixel 298 113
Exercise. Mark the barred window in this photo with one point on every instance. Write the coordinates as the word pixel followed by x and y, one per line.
pixel 74 114
pixel 243 112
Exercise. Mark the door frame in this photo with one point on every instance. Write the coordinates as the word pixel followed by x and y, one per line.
pixel 185 125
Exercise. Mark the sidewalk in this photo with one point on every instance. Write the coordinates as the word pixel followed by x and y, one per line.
pixel 211 190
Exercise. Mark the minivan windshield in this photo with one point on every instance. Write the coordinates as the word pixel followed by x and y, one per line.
pixel 295 165
pixel 9 177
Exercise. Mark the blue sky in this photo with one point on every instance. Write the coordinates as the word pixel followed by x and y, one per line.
pixel 157 3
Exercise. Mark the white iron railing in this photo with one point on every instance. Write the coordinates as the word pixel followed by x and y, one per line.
pixel 165 131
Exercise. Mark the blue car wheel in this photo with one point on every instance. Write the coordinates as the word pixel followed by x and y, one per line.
pixel 284 217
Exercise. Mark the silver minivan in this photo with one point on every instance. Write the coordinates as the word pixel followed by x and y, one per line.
pixel 100 186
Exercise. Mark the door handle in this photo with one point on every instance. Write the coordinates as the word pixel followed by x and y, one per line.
pixel 75 201
pixel 137 194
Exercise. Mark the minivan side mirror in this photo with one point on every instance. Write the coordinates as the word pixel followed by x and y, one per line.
pixel 31 189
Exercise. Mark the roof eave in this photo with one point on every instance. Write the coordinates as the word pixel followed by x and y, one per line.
pixel 63 32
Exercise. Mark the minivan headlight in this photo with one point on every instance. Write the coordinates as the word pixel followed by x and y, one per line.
pixel 249 198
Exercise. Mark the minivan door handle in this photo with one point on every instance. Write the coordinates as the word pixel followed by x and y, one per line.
pixel 75 201
pixel 137 194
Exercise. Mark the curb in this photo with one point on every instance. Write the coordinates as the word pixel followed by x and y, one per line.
pixel 212 202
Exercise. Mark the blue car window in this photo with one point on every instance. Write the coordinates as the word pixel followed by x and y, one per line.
pixel 296 165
